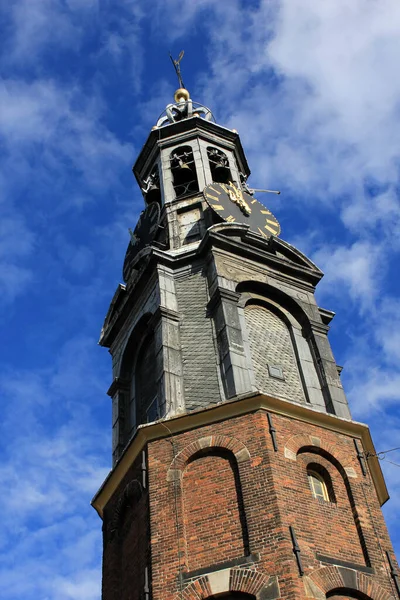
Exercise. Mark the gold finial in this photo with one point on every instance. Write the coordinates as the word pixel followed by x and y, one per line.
pixel 181 95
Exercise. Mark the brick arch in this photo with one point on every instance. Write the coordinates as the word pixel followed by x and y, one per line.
pixel 131 494
pixel 328 579
pixel 180 461
pixel 297 442
pixel 236 579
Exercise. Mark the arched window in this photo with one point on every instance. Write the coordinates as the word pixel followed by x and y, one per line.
pixel 273 355
pixel 144 385
pixel 219 165
pixel 320 483
pixel 217 470
pixel 184 172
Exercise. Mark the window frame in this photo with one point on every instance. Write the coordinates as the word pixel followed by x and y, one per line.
pixel 313 475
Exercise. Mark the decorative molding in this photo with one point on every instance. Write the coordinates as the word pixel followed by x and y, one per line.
pixel 118 385
pixel 163 312
pixel 318 327
pixel 221 294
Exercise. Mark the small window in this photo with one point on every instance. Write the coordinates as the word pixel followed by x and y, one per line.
pixel 318 486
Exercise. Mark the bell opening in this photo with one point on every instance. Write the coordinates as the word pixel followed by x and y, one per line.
pixel 219 165
pixel 184 172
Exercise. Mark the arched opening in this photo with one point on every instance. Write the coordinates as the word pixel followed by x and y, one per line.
pixel 215 520
pixel 273 354
pixel 342 525
pixel 144 400
pixel 303 362
pixel 184 172
pixel 151 187
pixel 219 165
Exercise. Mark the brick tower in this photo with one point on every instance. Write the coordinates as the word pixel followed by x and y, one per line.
pixel 238 471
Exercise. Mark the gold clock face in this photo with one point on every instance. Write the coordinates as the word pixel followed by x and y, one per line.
pixel 237 206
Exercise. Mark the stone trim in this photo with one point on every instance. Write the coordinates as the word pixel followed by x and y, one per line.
pixel 161 312
pixel 343 563
pixel 119 384
pixel 221 294
pixel 180 461
pixel 235 562
pixel 231 580
pixel 328 579
pixel 295 443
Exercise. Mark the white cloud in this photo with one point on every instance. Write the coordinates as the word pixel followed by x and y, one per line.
pixel 312 89
pixel 355 270
pixel 54 459
pixel 61 126
pixel 34 25
pixel 53 139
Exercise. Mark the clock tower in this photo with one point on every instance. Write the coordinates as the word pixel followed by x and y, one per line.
pixel 238 471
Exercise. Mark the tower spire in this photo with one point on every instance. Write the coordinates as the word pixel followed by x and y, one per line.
pixel 237 469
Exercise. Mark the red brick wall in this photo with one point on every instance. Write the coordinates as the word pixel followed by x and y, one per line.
pixel 126 539
pixel 194 513
pixel 325 527
pixel 214 526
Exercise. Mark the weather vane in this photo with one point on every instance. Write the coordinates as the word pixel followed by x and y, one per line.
pixel 177 67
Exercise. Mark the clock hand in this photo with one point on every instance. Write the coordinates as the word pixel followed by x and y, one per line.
pixel 236 196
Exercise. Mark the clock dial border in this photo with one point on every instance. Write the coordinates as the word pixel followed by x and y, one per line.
pixel 219 197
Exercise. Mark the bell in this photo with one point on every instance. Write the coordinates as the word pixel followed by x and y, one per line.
pixel 222 174
pixel 153 194
pixel 183 174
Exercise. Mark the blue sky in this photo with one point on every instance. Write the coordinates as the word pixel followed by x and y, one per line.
pixel 313 89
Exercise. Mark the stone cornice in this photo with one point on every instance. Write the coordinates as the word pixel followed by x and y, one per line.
pixel 220 294
pixel 318 327
pixel 118 385
pixel 241 405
